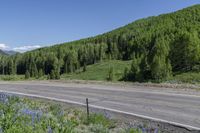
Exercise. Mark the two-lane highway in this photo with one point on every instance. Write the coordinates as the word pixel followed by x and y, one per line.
pixel 174 106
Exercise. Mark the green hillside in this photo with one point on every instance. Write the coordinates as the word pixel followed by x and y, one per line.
pixel 158 47
pixel 100 71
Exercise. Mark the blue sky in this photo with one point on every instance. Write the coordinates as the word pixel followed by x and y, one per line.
pixel 27 24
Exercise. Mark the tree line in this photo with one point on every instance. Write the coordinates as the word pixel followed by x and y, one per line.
pixel 158 47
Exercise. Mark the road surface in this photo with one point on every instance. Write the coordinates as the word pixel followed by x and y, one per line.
pixel 177 106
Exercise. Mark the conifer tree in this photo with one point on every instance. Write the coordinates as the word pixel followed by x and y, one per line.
pixel 126 74
pixel 11 67
pixel 160 66
pixel 27 75
pixel 111 74
pixel 135 70
pixel 40 73
pixel 52 74
pixel 145 72
pixel 66 68
pixel 84 67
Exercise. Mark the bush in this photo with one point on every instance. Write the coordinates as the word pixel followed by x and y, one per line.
pixel 27 75
pixel 24 115
pixel 111 74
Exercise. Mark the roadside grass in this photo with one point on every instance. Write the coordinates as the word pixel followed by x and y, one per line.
pixel 100 71
pixel 190 77
pixel 12 77
pixel 33 116
pixel 19 78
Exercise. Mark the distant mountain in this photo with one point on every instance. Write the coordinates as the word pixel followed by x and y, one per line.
pixel 2 52
pixel 10 52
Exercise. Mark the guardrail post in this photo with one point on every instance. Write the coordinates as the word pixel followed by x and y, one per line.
pixel 88 113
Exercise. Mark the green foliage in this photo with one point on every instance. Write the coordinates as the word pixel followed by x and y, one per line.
pixel 160 67
pixel 12 77
pixel 189 77
pixel 52 75
pixel 110 74
pixel 40 73
pixel 84 67
pixel 48 76
pixel 187 54
pixel 55 74
pixel 27 75
pixel 126 74
pixel 101 119
pixel 11 67
pixel 145 73
pixel 30 116
pixel 162 45
pixel 99 71
pixel 134 73
pixel 132 130
pixel 33 69
pixel 135 70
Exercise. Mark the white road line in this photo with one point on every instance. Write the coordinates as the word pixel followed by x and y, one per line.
pixel 104 108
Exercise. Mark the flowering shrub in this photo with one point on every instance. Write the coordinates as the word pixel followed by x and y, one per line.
pixel 22 115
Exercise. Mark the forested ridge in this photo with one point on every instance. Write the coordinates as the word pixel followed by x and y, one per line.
pixel 158 47
pixel 2 52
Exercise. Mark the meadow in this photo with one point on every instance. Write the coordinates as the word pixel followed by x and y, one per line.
pixel 100 72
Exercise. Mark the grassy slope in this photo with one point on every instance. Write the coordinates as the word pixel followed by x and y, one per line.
pixel 189 77
pixel 99 71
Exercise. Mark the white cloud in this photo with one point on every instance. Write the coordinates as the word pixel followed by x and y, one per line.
pixel 26 48
pixel 3 46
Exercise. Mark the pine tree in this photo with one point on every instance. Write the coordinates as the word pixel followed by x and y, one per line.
pixel 48 77
pixel 192 55
pixel 102 51
pixel 126 74
pixel 57 73
pixel 33 70
pixel 160 66
pixel 135 70
pixel 165 44
pixel 52 75
pixel 72 62
pixel 11 67
pixel 27 75
pixel 40 73
pixel 70 67
pixel 115 51
pixel 84 67
pixel 111 74
pixel 66 68
pixel 145 72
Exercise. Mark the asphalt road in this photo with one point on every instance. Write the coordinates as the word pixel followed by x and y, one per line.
pixel 181 107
